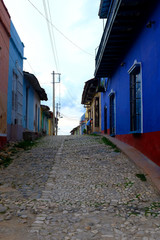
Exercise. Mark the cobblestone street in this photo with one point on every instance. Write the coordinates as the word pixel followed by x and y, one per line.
pixel 76 188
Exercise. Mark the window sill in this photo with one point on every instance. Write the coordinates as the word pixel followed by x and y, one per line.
pixel 135 132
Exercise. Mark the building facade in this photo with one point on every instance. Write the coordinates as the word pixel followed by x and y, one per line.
pixel 4 66
pixel 75 131
pixel 128 57
pixel 91 98
pixel 32 95
pixel 15 87
pixel 46 120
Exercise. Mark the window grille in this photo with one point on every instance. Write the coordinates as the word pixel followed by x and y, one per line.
pixel 112 114
pixel 97 112
pixel 135 99
pixel 17 98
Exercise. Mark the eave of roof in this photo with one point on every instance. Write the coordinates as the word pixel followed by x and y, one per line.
pixel 35 84
pixel 104 8
pixel 124 22
pixel 89 90
pixel 74 129
pixel 46 111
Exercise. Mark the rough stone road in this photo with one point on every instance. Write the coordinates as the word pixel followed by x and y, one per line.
pixel 76 188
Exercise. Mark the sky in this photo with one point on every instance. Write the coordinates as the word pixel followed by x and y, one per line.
pixel 65 43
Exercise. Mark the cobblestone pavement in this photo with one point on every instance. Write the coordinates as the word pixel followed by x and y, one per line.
pixel 76 188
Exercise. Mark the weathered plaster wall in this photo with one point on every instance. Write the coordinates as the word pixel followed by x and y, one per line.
pixel 14 117
pixel 28 106
pixel 96 129
pixel 4 64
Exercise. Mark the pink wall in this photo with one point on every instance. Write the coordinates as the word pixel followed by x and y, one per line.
pixel 4 64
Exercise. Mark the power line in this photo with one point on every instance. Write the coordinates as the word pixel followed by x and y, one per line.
pixel 60 31
pixel 56 54
pixel 71 118
pixel 50 35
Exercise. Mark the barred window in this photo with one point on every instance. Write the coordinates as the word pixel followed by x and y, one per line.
pixel 112 114
pixel 97 112
pixel 135 99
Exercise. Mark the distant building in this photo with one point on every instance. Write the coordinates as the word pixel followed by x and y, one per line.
pixel 46 120
pixel 91 98
pixel 75 131
pixel 128 58
pixel 32 95
pixel 4 66
pixel 15 87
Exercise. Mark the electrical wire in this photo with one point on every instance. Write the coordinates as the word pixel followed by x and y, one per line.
pixel 71 118
pixel 59 31
pixel 50 35
pixel 56 53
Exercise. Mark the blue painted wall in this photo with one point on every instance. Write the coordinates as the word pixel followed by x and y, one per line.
pixel 16 48
pixel 16 53
pixel 146 49
pixel 28 123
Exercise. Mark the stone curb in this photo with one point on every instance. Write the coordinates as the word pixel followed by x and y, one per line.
pixel 148 166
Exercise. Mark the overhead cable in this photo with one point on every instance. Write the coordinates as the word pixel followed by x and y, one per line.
pixel 54 41
pixel 60 31
pixel 50 35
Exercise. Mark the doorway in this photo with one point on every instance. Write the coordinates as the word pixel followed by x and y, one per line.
pixel 105 119
pixel 112 115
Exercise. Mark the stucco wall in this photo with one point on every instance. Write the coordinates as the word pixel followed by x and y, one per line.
pixel 4 60
pixel 146 50
pixel 96 129
pixel 15 65
pixel 28 109
pixel 36 119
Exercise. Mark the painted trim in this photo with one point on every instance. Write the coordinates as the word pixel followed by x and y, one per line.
pixel 135 64
pixel 111 92
pixel 3 135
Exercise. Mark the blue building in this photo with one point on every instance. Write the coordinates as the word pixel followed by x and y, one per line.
pixel 128 58
pixel 32 95
pixel 15 87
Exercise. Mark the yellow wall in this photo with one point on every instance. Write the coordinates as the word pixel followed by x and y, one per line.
pixel 50 127
pixel 92 110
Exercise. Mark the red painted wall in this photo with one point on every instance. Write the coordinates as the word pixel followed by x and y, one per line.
pixel 147 143
pixel 4 65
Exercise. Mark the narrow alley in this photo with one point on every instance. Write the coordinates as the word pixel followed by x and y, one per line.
pixel 76 188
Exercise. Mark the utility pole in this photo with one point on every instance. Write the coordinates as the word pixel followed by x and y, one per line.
pixel 54 102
